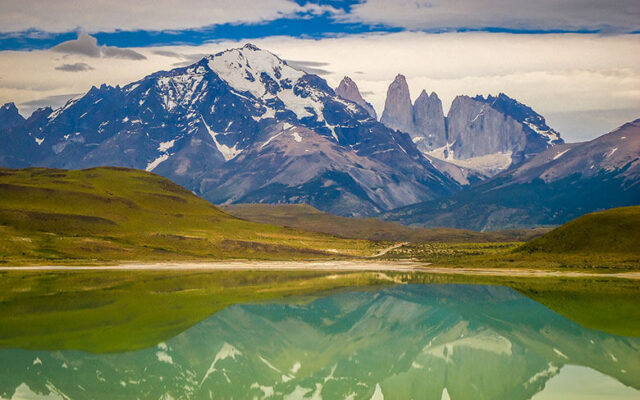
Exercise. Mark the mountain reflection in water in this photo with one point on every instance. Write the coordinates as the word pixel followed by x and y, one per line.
pixel 413 341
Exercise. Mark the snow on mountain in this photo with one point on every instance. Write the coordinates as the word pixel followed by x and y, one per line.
pixel 240 125
pixel 347 89
pixel 552 187
pixel 485 135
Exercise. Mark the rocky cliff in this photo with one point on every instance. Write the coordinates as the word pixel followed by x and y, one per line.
pixel 485 135
pixel 348 90
pixel 424 120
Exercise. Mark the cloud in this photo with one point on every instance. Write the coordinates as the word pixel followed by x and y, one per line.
pixel 310 67
pixel 189 59
pixel 54 101
pixel 113 15
pixel 167 53
pixel 619 15
pixel 87 45
pixel 77 67
pixel 116 52
pixel 563 76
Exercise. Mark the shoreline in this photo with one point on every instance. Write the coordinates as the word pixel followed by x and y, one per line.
pixel 347 266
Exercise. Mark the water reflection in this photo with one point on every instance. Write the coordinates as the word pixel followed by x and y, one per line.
pixel 414 341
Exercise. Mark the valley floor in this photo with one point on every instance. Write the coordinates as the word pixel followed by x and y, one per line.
pixel 343 266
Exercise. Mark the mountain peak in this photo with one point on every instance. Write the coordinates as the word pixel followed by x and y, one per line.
pixel 423 121
pixel 10 115
pixel 251 46
pixel 9 107
pixel 249 69
pixel 347 82
pixel 398 112
pixel 347 89
pixel 400 79
pixel 429 123
pixel 424 96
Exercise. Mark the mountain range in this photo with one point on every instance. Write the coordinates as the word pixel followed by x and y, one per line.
pixel 486 135
pixel 555 186
pixel 237 126
pixel 243 126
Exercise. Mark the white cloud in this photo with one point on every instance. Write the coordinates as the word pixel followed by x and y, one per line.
pixel 75 67
pixel 560 76
pixel 110 15
pixel 87 45
pixel 513 14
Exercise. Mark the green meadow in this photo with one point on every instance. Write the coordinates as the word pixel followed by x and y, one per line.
pixel 108 215
pixel 604 241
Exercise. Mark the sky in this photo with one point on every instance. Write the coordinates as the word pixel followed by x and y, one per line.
pixel 577 62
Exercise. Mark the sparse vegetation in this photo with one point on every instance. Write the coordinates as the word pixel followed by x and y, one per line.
pixel 510 255
pixel 305 217
pixel 106 215
pixel 614 231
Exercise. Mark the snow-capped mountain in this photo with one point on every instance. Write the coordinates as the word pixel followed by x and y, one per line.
pixel 551 188
pixel 485 135
pixel 241 125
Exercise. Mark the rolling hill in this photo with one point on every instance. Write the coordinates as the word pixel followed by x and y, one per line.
pixel 612 231
pixel 308 218
pixel 116 214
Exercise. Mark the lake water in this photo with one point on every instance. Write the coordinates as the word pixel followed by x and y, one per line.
pixel 405 342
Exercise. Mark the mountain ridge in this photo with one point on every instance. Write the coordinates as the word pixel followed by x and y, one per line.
pixel 557 185
pixel 485 135
pixel 197 124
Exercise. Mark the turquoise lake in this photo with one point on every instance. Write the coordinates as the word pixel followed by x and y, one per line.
pixel 404 342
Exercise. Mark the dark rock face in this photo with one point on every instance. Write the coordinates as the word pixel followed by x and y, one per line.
pixel 476 129
pixel 348 90
pixel 20 137
pixel 493 132
pixel 551 188
pixel 398 111
pixel 429 124
pixel 424 120
pixel 241 125
pixel 482 126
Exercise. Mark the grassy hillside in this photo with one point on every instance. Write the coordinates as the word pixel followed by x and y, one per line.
pixel 597 242
pixel 114 214
pixel 308 218
pixel 612 231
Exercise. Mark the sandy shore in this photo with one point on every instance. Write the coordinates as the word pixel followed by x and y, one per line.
pixel 398 266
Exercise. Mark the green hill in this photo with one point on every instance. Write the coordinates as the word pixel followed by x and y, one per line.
pixel 308 218
pixel 116 214
pixel 607 232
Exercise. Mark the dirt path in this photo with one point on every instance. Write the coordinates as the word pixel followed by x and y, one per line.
pixel 406 266
pixel 388 249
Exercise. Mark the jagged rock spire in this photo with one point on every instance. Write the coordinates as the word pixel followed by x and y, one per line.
pixel 348 90
pixel 398 112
